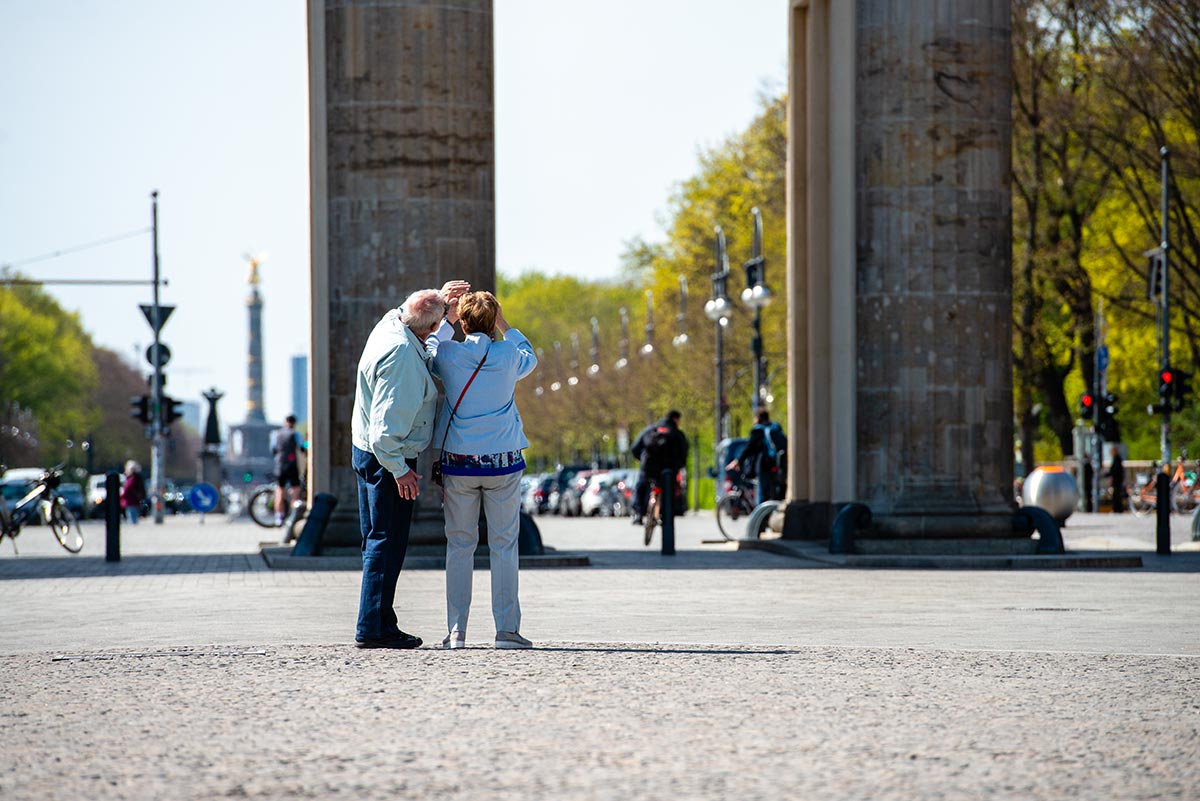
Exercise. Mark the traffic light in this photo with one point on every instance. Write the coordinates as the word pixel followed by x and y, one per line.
pixel 139 408
pixel 1166 385
pixel 1107 427
pixel 1087 403
pixel 171 410
pixel 1182 389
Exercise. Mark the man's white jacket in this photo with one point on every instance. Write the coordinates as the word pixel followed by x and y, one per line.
pixel 395 397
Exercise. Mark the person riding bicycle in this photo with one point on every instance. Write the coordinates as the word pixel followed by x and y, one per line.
pixel 286 447
pixel 659 447
pixel 764 457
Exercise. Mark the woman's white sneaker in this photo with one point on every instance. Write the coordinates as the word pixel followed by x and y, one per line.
pixel 455 639
pixel 510 639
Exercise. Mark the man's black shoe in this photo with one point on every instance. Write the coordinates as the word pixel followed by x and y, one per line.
pixel 637 520
pixel 400 640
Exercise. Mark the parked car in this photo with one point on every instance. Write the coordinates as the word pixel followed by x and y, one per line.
pixel 72 495
pixel 571 502
pixel 13 490
pixel 96 493
pixel 560 502
pixel 537 497
pixel 604 495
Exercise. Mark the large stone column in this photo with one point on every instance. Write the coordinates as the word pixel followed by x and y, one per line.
pixel 934 278
pixel 402 159
pixel 899 266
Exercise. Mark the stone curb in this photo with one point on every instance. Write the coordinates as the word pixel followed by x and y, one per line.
pixel 817 553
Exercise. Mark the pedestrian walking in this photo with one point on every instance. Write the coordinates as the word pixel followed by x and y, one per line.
pixel 1116 472
pixel 392 422
pixel 133 491
pixel 481 461
pixel 286 447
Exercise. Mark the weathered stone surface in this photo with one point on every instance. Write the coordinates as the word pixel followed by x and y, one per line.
pixel 409 167
pixel 933 287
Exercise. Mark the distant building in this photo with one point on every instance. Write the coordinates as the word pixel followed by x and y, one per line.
pixel 191 415
pixel 300 389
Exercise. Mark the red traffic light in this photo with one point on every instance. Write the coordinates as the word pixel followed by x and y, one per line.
pixel 1166 376
pixel 1086 400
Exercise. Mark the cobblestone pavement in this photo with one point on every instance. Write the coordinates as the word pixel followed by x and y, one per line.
pixel 595 721
pixel 193 671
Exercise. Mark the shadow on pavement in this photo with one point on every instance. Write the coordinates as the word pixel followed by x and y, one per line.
pixel 40 567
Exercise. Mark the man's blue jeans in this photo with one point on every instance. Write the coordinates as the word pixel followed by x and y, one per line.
pixel 385 519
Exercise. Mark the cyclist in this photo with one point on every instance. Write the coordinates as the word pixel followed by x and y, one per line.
pixel 286 447
pixel 659 447
pixel 763 457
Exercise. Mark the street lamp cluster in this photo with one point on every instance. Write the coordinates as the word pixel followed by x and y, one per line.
pixel 719 309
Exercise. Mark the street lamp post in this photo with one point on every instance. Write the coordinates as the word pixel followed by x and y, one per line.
pixel 648 346
pixel 594 369
pixel 681 336
pixel 756 295
pixel 623 362
pixel 718 309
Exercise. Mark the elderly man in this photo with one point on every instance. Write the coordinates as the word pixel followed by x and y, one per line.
pixel 393 422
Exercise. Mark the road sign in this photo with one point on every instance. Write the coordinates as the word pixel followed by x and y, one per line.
pixel 1102 358
pixel 163 313
pixel 163 355
pixel 203 497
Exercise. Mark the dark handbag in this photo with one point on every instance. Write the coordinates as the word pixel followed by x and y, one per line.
pixel 435 475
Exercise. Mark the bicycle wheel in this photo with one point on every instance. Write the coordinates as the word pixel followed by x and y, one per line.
pixel 651 518
pixel 262 506
pixel 65 527
pixel 730 509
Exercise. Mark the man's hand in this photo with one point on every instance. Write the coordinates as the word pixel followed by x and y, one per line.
pixel 452 311
pixel 732 465
pixel 451 291
pixel 407 485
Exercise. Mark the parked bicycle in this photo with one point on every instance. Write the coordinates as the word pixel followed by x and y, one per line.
pixel 1143 499
pixel 735 505
pixel 43 501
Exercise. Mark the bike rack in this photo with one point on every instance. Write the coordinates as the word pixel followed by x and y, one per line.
pixel 852 517
pixel 758 518
pixel 1035 517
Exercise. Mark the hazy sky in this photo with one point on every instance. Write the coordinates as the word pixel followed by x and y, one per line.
pixel 600 109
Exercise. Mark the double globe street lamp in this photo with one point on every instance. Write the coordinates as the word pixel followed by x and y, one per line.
pixel 756 295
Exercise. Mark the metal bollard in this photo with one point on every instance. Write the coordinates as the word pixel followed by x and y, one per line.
pixel 668 512
pixel 1162 491
pixel 112 516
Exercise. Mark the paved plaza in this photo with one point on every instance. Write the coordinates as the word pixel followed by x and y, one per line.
pixel 192 670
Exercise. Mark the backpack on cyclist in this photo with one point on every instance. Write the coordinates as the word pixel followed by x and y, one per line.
pixel 658 440
pixel 774 440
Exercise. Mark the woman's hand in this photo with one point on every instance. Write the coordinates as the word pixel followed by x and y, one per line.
pixel 502 325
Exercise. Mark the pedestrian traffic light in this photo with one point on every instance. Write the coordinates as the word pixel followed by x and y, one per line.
pixel 139 408
pixel 1182 389
pixel 1107 426
pixel 1087 403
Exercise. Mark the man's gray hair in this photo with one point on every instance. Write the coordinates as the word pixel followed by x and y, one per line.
pixel 422 310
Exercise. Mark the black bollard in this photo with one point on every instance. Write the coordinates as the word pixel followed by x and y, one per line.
pixel 668 512
pixel 1162 491
pixel 309 541
pixel 112 516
